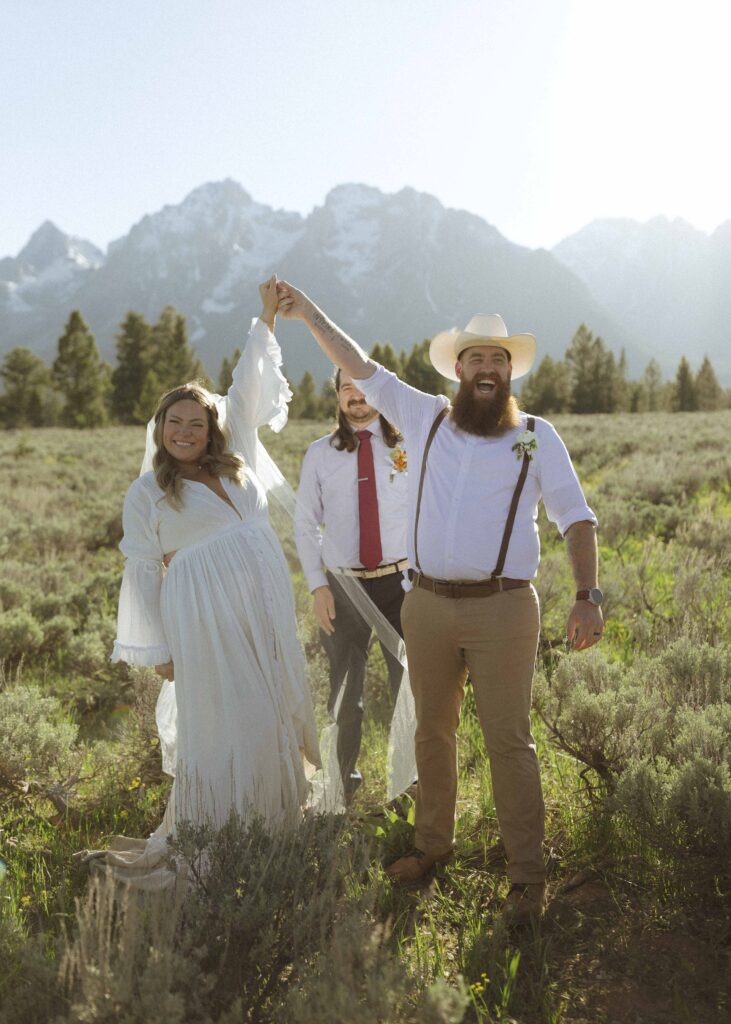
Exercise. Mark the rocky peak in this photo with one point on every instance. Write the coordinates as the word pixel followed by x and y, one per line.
pixel 48 244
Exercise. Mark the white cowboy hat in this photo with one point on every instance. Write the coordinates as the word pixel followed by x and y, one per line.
pixel 483 329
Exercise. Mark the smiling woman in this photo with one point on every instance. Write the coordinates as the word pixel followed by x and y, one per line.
pixel 206 598
pixel 190 444
pixel 185 432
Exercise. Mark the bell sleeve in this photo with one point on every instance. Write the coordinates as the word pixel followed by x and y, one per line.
pixel 140 635
pixel 259 392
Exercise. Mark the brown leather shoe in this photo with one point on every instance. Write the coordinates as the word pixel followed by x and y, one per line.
pixel 525 904
pixel 415 865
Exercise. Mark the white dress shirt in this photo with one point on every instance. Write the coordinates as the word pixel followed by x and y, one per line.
pixel 469 485
pixel 327 517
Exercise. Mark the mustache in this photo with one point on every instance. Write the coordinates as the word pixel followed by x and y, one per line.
pixel 487 375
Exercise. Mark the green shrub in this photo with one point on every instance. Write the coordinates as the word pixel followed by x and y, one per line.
pixel 49 605
pixel 37 741
pixel 88 654
pixel 358 979
pixel 20 635
pixel 12 595
pixel 598 712
pixel 681 801
pixel 690 673
pixel 265 908
pixel 57 633
pixel 29 989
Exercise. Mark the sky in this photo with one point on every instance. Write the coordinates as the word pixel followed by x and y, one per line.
pixel 537 115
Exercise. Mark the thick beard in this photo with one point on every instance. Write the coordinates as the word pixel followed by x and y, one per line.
pixel 489 417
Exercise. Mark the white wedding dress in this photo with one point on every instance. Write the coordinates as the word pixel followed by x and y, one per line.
pixel 223 612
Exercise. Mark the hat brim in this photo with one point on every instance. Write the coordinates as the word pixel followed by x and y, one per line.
pixel 446 346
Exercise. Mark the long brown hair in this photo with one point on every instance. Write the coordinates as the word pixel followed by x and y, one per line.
pixel 343 437
pixel 218 460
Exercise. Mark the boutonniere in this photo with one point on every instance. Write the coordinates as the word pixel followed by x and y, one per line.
pixel 399 463
pixel 525 444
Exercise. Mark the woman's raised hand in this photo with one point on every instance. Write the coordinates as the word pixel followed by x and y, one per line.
pixel 166 670
pixel 269 301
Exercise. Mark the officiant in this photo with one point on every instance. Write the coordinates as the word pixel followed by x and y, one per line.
pixel 350 521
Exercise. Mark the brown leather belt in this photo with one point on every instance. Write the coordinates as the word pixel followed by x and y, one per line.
pixel 480 588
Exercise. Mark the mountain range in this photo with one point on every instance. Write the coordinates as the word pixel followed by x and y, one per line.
pixel 387 268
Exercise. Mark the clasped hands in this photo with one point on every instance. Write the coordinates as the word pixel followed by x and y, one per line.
pixel 280 297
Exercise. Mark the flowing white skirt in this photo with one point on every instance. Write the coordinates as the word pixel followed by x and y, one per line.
pixel 245 729
pixel 244 713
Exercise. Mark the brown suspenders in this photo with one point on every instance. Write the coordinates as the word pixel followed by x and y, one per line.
pixel 432 432
pixel 497 571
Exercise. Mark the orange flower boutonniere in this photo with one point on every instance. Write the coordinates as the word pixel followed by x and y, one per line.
pixel 399 462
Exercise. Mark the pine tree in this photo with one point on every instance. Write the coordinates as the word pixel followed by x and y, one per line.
pixel 226 373
pixel 148 398
pixel 651 385
pixel 173 359
pixel 709 393
pixel 328 399
pixel 684 393
pixel 388 357
pixel 635 396
pixel 134 355
pixel 80 376
pixel 305 404
pixel 621 389
pixel 546 390
pixel 418 371
pixel 607 398
pixel 28 400
pixel 592 373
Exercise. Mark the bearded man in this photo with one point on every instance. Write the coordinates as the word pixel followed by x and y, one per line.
pixel 479 470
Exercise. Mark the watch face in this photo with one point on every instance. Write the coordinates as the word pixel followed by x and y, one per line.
pixel 596 596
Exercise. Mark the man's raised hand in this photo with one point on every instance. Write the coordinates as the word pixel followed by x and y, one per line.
pixel 293 304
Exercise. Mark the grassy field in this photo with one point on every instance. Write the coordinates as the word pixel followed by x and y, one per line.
pixel 634 740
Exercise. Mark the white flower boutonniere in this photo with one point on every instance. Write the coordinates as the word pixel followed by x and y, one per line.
pixel 398 461
pixel 525 444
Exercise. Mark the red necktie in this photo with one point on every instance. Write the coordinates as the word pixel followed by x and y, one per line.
pixel 370 529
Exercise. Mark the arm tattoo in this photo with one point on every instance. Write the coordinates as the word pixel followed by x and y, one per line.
pixel 334 338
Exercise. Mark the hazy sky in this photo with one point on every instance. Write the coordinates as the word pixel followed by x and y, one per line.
pixel 538 115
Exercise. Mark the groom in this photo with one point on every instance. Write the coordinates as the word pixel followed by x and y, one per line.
pixel 479 471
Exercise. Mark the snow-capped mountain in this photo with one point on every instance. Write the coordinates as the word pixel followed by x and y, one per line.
pixel 46 273
pixel 387 267
pixel 665 281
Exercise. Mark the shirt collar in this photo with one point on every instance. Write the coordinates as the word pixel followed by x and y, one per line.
pixel 374 426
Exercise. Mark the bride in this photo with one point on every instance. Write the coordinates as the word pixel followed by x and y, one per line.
pixel 206 598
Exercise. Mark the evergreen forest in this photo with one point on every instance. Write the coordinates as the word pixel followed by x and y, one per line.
pixel 80 390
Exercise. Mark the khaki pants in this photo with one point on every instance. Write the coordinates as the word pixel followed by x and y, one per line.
pixel 494 639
